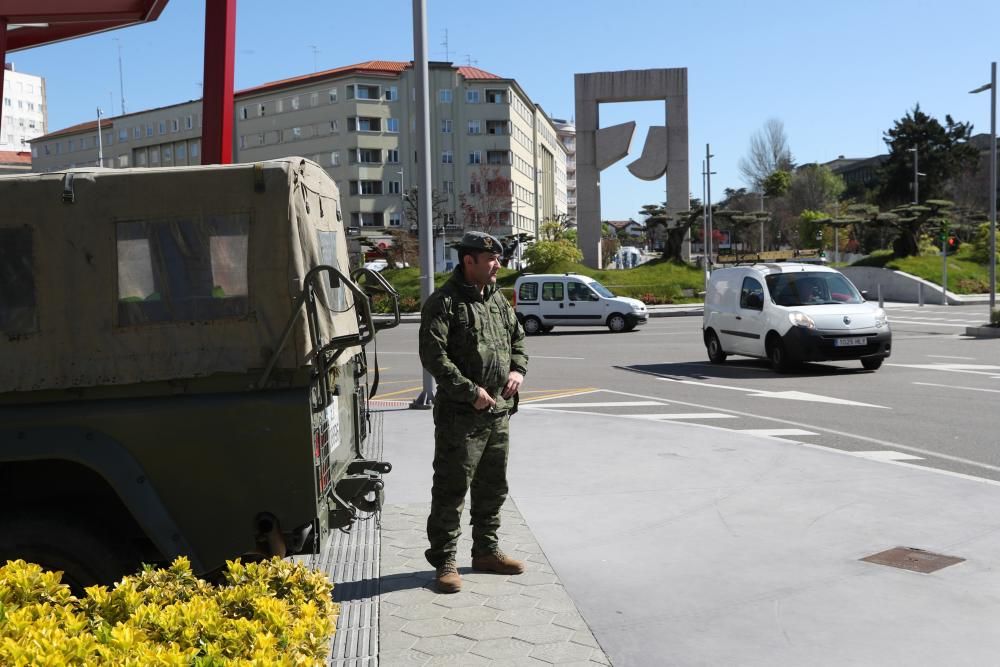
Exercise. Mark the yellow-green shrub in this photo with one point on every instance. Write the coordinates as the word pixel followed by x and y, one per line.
pixel 269 613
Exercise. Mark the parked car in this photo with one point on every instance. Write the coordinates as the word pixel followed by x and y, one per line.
pixel 789 313
pixel 543 301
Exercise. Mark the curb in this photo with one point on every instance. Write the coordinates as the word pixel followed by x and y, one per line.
pixel 693 310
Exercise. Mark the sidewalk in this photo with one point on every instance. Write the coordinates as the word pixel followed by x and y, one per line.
pixel 670 543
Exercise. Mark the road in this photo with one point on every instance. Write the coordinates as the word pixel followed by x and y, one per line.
pixel 933 403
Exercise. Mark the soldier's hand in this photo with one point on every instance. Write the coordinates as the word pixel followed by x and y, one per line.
pixel 483 400
pixel 514 380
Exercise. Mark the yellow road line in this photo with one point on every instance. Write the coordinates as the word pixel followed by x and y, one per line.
pixel 562 393
pixel 394 393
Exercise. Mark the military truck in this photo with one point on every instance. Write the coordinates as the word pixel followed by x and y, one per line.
pixel 183 367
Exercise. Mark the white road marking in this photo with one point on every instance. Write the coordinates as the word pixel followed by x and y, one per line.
pixel 943 356
pixel 535 356
pixel 887 455
pixel 787 395
pixel 951 386
pixel 884 444
pixel 975 369
pixel 893 320
pixel 775 432
pixel 610 404
pixel 681 415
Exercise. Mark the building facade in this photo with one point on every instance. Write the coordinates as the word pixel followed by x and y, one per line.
pixel 567 135
pixel 23 111
pixel 359 124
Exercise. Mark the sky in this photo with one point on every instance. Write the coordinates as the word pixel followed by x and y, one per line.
pixel 836 74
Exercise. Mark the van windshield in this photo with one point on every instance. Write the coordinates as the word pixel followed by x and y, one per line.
pixel 601 289
pixel 811 288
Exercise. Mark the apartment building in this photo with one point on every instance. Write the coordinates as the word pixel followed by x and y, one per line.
pixel 22 112
pixel 566 132
pixel 359 123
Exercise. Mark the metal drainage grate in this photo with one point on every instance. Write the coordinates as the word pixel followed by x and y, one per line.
pixel 915 560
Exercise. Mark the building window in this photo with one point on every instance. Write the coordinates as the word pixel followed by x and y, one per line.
pixel 296 132
pixel 313 99
pixel 476 157
pixel 261 110
pixel 163 127
pixel 448 219
pixel 334 126
pixel 366 219
pixel 475 127
pixel 446 126
pixel 369 156
pixel 391 94
pixel 137 132
pixel 444 95
pixel 154 155
pixel 496 96
pixel 472 96
pixel 364 124
pixel 333 96
pixel 244 113
pixel 243 141
pixel 392 156
pixel 361 91
pixel 295 103
pixel 447 157
pixel 174 125
pixel 194 149
pixel 394 188
pixel 395 219
pixel 449 187
pixel 122 135
pixel 334 159
pixel 365 187
pixel 181 152
pixel 122 161
pixel 392 125
pixel 188 122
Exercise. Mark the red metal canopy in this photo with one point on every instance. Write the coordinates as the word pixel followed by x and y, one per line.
pixel 37 22
pixel 28 23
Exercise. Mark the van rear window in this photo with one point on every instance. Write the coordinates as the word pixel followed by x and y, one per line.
pixel 182 269
pixel 528 292
pixel 18 312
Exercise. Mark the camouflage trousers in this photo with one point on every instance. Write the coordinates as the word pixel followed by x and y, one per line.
pixel 470 453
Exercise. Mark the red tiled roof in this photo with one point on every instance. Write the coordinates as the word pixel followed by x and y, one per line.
pixel 373 67
pixel 15 157
pixel 106 123
pixel 476 73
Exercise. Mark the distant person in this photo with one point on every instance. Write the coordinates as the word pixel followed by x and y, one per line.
pixel 473 345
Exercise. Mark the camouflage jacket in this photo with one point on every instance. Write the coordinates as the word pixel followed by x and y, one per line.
pixel 468 340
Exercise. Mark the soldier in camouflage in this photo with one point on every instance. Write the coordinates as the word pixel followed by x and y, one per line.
pixel 473 345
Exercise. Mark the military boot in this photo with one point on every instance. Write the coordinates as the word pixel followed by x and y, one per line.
pixel 447 578
pixel 498 562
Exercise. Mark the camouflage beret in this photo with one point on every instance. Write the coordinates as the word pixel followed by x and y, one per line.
pixel 480 241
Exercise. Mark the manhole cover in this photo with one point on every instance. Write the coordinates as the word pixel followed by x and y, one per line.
pixel 915 560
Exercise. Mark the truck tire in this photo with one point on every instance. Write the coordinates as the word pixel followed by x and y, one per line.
pixel 65 543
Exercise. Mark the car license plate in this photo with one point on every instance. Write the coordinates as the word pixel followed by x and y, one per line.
pixel 850 342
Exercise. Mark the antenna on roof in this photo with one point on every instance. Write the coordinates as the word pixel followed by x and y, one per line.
pixel 121 78
pixel 470 62
pixel 447 53
pixel 315 50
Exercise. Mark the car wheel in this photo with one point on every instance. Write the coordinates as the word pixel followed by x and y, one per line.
pixel 778 356
pixel 616 322
pixel 67 545
pixel 872 363
pixel 715 353
pixel 532 325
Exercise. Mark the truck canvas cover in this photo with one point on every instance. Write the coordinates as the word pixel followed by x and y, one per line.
pixel 124 276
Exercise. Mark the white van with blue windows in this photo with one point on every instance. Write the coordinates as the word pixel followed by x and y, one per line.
pixel 546 300
pixel 790 313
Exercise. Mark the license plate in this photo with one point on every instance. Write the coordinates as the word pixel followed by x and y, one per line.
pixel 850 342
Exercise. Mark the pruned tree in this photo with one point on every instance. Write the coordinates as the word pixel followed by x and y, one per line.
pixel 411 206
pixel 489 201
pixel 671 230
pixel 768 153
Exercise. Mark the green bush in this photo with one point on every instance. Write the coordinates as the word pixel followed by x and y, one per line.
pixel 545 255
pixel 980 245
pixel 269 613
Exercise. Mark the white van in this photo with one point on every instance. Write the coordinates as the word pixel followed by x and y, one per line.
pixel 546 300
pixel 789 313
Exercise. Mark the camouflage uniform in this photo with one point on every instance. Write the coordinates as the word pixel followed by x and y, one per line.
pixel 468 340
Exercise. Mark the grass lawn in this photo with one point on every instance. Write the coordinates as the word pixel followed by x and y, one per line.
pixel 964 275
pixel 654 282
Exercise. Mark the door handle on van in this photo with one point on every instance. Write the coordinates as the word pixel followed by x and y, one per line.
pixel 739 317
pixel 560 305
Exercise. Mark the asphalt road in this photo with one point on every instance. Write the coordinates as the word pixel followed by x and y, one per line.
pixel 933 403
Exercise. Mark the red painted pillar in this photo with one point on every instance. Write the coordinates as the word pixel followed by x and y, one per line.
pixel 3 63
pixel 217 102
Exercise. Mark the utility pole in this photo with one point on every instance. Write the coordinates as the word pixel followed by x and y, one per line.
pixel 916 173
pixel 121 75
pixel 992 87
pixel 100 140
pixel 762 196
pixel 423 181
pixel 708 202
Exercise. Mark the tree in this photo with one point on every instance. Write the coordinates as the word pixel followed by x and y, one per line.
pixel 411 206
pixel 545 255
pixel 768 153
pixel 943 154
pixel 814 187
pixel 671 229
pixel 489 201
pixel 777 184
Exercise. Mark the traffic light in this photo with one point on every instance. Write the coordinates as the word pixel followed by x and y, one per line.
pixel 952 244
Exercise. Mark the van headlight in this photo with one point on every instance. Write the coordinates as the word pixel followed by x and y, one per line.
pixel 639 308
pixel 881 319
pixel 801 320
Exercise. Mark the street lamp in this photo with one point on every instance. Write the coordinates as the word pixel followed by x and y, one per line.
pixel 916 182
pixel 762 198
pixel 707 175
pixel 992 87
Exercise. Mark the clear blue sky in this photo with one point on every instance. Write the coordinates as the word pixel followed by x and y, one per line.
pixel 836 74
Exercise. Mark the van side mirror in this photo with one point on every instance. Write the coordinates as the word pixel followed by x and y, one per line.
pixel 864 294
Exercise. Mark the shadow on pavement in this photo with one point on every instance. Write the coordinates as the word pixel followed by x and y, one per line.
pixel 756 369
